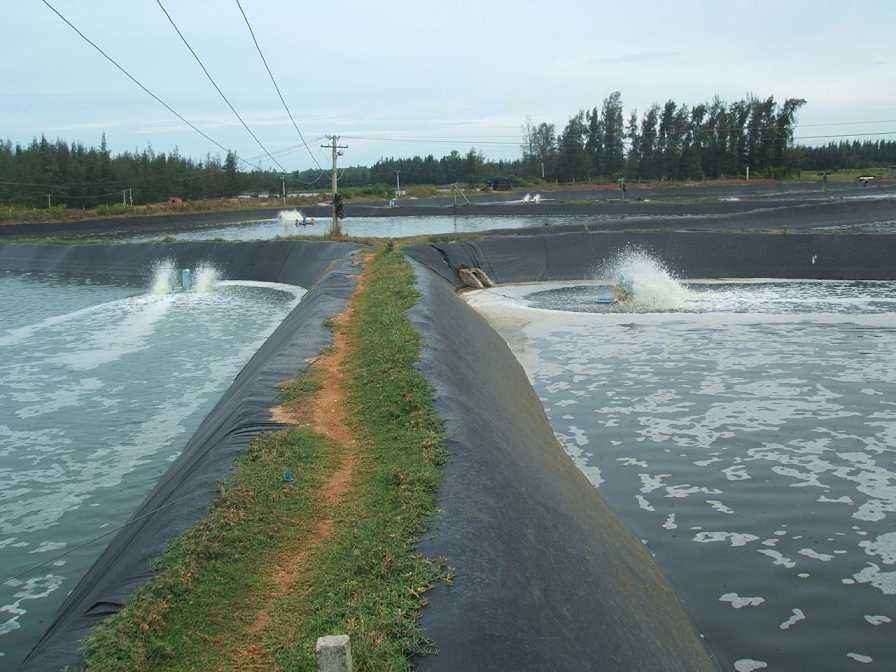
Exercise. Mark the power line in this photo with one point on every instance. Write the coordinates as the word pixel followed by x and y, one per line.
pixel 218 88
pixel 843 135
pixel 847 123
pixel 484 141
pixel 480 141
pixel 277 88
pixel 141 85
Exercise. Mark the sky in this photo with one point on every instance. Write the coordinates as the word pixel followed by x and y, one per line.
pixel 391 77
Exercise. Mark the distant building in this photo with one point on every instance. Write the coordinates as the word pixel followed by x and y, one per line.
pixel 892 172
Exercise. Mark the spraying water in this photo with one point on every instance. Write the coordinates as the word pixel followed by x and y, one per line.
pixel 290 216
pixel 162 272
pixel 294 218
pixel 207 278
pixel 653 287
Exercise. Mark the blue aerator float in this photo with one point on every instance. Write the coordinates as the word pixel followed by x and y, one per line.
pixel 186 279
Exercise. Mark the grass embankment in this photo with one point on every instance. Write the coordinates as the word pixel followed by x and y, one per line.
pixel 17 214
pixel 276 565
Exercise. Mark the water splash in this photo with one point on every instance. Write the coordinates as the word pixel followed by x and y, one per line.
pixel 294 218
pixel 290 216
pixel 162 273
pixel 207 278
pixel 654 286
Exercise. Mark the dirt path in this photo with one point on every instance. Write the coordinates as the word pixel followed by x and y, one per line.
pixel 325 414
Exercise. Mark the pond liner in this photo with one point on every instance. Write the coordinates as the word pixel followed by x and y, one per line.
pixel 295 262
pixel 577 255
pixel 329 272
pixel 545 576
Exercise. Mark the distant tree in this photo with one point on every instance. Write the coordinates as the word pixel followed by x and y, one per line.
pixel 614 133
pixel 472 166
pixel 231 172
pixel 782 159
pixel 650 150
pixel 594 144
pixel 633 160
pixel 572 161
pixel 691 165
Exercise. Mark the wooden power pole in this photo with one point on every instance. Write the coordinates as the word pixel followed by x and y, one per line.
pixel 334 146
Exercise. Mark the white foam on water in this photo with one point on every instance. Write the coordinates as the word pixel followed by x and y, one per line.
pixel 735 538
pixel 32 589
pixel 778 557
pixel 884 546
pixel 16 336
pixel 739 602
pixel 749 665
pixel 296 291
pixel 860 658
pixel 131 331
pixel 798 616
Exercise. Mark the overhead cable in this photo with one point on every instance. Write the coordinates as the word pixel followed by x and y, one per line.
pixel 218 88
pixel 276 87
pixel 142 86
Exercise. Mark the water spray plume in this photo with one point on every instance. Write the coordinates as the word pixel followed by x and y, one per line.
pixel 161 277
pixel 207 278
pixel 653 286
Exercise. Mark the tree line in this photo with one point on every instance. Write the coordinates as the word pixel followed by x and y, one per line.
pixel 78 176
pixel 849 154
pixel 672 141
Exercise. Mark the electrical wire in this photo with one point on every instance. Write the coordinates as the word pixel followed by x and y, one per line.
pixel 483 141
pixel 479 141
pixel 277 88
pixel 218 88
pixel 142 86
pixel 847 123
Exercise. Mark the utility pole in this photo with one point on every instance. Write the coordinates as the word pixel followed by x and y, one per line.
pixel 124 197
pixel 283 187
pixel 49 201
pixel 334 146
pixel 397 183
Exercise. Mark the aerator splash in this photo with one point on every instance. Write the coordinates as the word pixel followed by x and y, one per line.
pixel 167 278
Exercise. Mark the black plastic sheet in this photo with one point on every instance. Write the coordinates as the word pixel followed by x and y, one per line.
pixel 327 271
pixel 546 576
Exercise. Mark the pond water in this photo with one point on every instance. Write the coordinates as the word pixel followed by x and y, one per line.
pixel 101 386
pixel 288 224
pixel 746 433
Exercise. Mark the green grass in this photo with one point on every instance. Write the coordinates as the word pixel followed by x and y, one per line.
pixel 299 389
pixel 370 584
pixel 204 575
pixel 365 579
pixel 111 209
